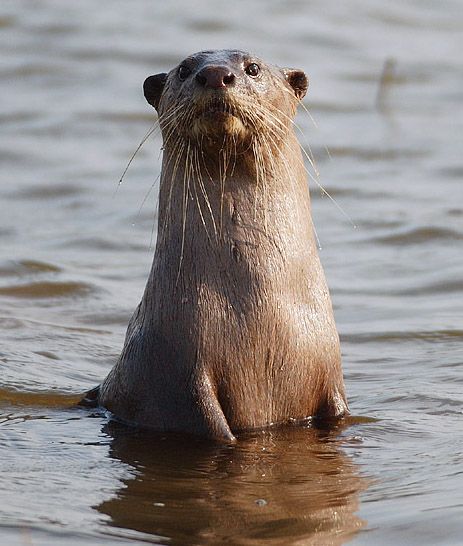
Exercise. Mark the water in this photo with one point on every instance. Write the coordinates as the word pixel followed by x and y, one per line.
pixel 75 253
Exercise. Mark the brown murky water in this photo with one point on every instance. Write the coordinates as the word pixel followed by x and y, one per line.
pixel 75 251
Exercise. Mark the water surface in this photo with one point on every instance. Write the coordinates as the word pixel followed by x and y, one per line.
pixel 75 251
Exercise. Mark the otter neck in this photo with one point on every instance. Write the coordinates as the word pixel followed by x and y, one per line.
pixel 202 183
pixel 229 241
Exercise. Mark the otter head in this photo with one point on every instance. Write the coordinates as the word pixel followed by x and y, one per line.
pixel 225 93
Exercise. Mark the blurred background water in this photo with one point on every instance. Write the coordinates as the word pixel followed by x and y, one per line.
pixel 75 251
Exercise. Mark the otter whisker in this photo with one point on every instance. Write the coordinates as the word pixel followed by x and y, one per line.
pixel 179 154
pixel 148 193
pixel 204 192
pixel 186 190
pixel 260 181
pixel 293 122
pixel 312 163
pixel 196 177
pixel 152 130
pixel 223 167
pixel 287 168
pixel 325 192
pixel 310 116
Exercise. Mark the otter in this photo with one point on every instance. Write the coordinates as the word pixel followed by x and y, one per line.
pixel 235 330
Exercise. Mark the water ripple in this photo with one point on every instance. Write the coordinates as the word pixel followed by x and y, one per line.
pixel 388 337
pixel 47 289
pixel 26 267
pixel 424 234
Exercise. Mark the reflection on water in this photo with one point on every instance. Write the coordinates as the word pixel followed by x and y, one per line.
pixel 293 486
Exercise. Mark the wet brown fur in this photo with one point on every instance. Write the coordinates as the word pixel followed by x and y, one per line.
pixel 235 329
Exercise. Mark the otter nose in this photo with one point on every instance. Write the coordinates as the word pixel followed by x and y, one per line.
pixel 215 77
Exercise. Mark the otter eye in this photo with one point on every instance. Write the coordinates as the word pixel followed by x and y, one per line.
pixel 183 72
pixel 252 70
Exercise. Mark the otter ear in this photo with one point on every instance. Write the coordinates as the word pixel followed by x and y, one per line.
pixel 153 87
pixel 297 80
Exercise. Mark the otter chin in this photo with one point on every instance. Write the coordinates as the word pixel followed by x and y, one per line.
pixel 218 119
pixel 235 329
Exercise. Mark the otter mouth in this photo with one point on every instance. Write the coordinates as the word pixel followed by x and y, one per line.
pixel 218 110
pixel 217 117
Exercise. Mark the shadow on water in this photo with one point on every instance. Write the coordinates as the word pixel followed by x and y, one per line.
pixel 293 485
